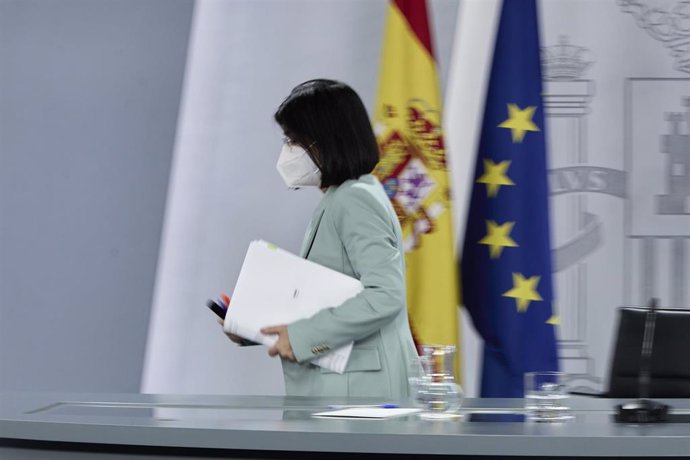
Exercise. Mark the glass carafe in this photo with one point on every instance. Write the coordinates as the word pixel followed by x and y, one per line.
pixel 437 393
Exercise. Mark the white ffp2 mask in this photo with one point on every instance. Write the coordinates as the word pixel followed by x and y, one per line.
pixel 297 168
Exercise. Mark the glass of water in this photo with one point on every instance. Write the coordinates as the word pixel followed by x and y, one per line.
pixel 437 394
pixel 546 396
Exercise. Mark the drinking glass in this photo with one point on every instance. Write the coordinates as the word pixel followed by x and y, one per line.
pixel 437 393
pixel 546 396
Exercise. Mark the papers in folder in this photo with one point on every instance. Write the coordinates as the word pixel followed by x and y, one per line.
pixel 277 287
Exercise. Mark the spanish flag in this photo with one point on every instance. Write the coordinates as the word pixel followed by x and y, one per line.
pixel 407 123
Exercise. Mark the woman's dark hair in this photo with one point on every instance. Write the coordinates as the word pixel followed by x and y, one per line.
pixel 328 119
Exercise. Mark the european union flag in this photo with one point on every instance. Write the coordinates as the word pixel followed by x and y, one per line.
pixel 506 263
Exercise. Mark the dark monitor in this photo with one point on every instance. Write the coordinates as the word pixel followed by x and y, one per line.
pixel 670 360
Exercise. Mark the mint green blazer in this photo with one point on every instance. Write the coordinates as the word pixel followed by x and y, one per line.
pixel 355 231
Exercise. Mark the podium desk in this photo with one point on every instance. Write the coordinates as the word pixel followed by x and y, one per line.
pixel 110 426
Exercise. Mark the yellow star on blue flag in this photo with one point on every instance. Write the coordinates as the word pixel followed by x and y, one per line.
pixel 519 121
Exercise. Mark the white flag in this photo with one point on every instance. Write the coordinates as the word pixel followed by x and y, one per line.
pixel 470 66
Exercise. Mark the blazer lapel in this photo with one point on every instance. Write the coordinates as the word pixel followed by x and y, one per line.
pixel 314 225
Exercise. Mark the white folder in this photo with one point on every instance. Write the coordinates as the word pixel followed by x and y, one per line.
pixel 277 287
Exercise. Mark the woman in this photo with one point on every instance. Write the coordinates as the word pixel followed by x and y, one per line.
pixel 329 143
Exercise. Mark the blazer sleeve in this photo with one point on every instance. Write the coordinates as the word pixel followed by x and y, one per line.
pixel 371 244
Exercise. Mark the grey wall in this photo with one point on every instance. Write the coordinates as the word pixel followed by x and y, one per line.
pixel 89 95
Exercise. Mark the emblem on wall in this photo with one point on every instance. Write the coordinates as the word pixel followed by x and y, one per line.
pixel 668 23
pixel 654 184
pixel 657 212
pixel 577 232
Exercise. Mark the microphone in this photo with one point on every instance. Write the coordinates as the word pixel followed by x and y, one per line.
pixel 644 410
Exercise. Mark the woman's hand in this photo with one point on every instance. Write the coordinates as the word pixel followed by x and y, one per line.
pixel 282 347
pixel 235 338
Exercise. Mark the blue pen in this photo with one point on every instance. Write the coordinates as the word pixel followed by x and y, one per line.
pixel 350 406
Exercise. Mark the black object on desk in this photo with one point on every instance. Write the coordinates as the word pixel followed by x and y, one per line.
pixel 668 363
pixel 644 410
pixel 510 417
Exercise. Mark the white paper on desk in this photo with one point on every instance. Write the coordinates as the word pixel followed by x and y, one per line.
pixel 277 287
pixel 367 412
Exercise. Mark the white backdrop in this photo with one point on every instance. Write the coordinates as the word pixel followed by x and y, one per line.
pixel 617 78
